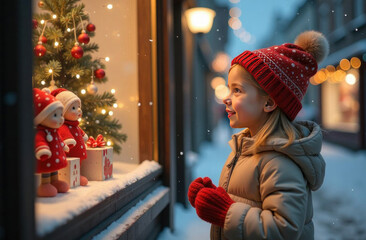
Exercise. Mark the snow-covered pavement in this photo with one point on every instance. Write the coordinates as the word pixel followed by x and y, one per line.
pixel 339 205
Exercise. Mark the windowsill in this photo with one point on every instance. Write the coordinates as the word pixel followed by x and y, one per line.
pixel 53 213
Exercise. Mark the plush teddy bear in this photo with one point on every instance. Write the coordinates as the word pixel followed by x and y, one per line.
pixel 70 131
pixel 49 147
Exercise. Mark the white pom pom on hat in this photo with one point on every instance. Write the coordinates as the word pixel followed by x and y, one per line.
pixel 314 43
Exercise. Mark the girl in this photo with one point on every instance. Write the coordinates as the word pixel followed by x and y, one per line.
pixel 265 186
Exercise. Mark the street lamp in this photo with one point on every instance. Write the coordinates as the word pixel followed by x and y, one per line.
pixel 200 19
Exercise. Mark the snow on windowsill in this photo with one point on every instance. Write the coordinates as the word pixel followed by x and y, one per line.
pixel 114 230
pixel 54 212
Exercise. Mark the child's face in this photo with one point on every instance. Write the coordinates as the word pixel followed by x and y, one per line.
pixel 244 104
pixel 74 112
pixel 54 119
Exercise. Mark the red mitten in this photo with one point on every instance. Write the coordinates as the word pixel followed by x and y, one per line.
pixel 196 186
pixel 212 205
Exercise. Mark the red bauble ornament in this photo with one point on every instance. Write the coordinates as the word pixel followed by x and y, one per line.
pixel 77 51
pixel 39 50
pixel 43 39
pixel 90 27
pixel 99 73
pixel 83 37
pixel 34 23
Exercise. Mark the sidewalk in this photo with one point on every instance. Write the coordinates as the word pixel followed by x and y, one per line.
pixel 339 205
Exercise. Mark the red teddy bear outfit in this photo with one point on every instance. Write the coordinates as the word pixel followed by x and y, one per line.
pixel 71 129
pixel 58 158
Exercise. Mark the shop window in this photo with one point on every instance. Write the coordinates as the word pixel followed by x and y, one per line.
pixel 95 50
pixel 340 95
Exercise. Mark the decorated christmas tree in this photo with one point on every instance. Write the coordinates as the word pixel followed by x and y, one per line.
pixel 63 59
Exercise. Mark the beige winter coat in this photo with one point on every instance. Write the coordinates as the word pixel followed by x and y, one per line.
pixel 272 189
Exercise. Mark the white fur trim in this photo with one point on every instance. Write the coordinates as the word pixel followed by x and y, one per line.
pixel 42 152
pixel 67 98
pixel 66 148
pixel 85 137
pixel 70 141
pixel 46 111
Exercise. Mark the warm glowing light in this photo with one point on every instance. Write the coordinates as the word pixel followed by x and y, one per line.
pixel 79 119
pixel 42 21
pixel 216 81
pixel 43 82
pixel 234 1
pixel 103 111
pixel 115 105
pixel 68 29
pixel 110 113
pixel 109 6
pixel 355 62
pixel 113 90
pixel 221 63
pixel 56 44
pixel 234 23
pixel 350 79
pixel 83 91
pixel 54 16
pixel 107 59
pixel 200 19
pixel 235 12
pixel 109 143
pixel 50 70
pixel 344 64
pixel 312 81
pixel 77 76
pixel 221 91
pixel 330 68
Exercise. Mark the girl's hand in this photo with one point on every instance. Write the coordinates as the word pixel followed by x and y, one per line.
pixel 212 205
pixel 196 186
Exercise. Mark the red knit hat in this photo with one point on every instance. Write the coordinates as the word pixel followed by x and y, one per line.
pixel 65 96
pixel 44 104
pixel 283 71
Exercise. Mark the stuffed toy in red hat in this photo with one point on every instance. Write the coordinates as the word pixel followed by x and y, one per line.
pixel 49 147
pixel 70 131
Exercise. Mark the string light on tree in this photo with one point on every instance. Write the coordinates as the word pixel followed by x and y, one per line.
pixel 107 59
pixel 115 105
pixel 110 113
pixel 83 91
pixel 103 111
pixel 54 16
pixel 113 91
pixel 110 6
pixel 56 44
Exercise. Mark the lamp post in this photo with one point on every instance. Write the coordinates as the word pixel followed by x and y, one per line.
pixel 200 19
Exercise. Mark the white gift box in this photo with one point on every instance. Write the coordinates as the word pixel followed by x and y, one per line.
pixel 98 165
pixel 71 173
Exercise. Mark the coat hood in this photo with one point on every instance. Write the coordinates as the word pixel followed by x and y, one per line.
pixel 305 152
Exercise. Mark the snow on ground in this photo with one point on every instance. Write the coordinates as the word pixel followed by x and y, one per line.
pixel 339 205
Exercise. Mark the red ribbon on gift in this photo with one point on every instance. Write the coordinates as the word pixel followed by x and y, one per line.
pixel 93 143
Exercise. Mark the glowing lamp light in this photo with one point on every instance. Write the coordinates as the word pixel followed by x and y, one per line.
pixel 221 91
pixel 216 81
pixel 344 64
pixel 200 19
pixel 350 79
pixel 355 62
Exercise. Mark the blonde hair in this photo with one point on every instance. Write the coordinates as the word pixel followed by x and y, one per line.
pixel 277 122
